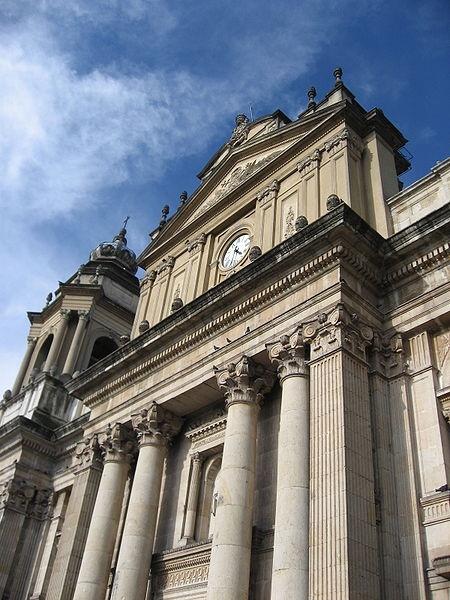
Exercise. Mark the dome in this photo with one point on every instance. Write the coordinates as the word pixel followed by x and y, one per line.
pixel 116 250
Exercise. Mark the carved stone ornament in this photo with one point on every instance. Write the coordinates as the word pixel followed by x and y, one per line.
pixel 288 355
pixel 116 443
pixel 300 223
pixel 310 162
pixel 155 425
pixel 197 244
pixel 269 193
pixel 177 303
pixel 124 339
pixel 240 132
pixel 289 227
pixel 340 329
pixel 254 253
pixel 16 495
pixel 41 505
pixel 88 453
pixel 388 355
pixel 238 176
pixel 333 201
pixel 144 326
pixel 244 382
pixel 149 278
pixel 165 265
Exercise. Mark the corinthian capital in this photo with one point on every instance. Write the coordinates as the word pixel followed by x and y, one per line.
pixel 116 443
pixel 244 382
pixel 338 329
pixel 88 453
pixel 288 355
pixel 155 425
pixel 16 495
pixel 41 505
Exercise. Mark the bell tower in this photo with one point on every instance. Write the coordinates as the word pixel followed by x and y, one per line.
pixel 87 318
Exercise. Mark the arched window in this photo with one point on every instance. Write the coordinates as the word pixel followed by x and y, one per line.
pixel 102 347
pixel 43 353
pixel 208 498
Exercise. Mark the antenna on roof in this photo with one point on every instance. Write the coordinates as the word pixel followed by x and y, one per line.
pixel 251 112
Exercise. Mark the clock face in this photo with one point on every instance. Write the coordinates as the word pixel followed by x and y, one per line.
pixel 236 251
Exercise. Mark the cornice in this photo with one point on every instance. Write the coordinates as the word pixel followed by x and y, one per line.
pixel 305 242
pixel 418 265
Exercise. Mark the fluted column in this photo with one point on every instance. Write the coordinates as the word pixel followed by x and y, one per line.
pixel 31 344
pixel 192 501
pixel 343 533
pixel 69 365
pixel 94 572
pixel 14 499
pixel 78 516
pixel 154 427
pixel 291 539
pixel 244 384
pixel 61 329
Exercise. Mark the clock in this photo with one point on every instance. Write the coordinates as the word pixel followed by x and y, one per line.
pixel 236 251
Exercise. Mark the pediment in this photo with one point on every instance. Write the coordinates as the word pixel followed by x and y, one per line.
pixel 236 176
pixel 230 168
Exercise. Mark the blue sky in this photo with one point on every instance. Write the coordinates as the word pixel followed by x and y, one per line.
pixel 109 108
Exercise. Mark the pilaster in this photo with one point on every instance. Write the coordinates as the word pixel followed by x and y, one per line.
pixel 77 520
pixel 344 549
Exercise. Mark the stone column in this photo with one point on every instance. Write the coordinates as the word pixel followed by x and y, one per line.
pixel 343 535
pixel 291 539
pixel 69 365
pixel 19 581
pixel 31 343
pixel 14 500
pixel 244 384
pixel 61 329
pixel 154 427
pixel 94 571
pixel 77 519
pixel 192 501
pixel 47 556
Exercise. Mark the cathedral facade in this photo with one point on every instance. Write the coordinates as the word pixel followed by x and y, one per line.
pixel 265 413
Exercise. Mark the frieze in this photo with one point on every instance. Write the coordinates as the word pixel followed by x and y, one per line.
pixel 436 507
pixel 207 428
pixel 238 176
pixel 428 260
pixel 179 568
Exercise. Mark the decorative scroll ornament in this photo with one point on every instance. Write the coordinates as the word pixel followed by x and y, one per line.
pixel 165 265
pixel 116 443
pixel 333 201
pixel 388 355
pixel 16 495
pixel 338 329
pixel 197 244
pixel 300 223
pixel 149 278
pixel 269 193
pixel 88 452
pixel 288 355
pixel 244 382
pixel 254 253
pixel 240 132
pixel 41 505
pixel 155 425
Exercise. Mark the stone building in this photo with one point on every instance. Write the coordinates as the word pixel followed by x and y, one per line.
pixel 265 414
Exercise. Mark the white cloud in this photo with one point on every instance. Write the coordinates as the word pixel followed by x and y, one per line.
pixel 68 136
